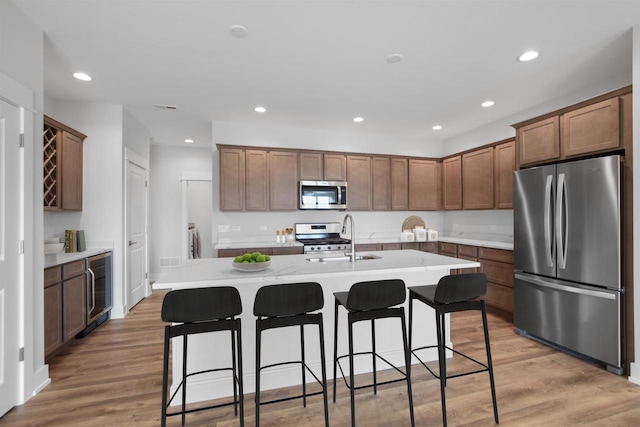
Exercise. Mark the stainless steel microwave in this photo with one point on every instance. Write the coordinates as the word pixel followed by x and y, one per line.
pixel 323 195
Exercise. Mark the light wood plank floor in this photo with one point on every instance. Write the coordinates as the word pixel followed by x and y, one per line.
pixel 113 377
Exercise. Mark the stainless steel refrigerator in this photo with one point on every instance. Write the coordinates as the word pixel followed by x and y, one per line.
pixel 568 288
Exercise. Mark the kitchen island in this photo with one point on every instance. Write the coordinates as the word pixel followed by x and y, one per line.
pixel 414 267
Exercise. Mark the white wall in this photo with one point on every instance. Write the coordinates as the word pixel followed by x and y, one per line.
pixel 21 58
pixel 167 165
pixel 102 212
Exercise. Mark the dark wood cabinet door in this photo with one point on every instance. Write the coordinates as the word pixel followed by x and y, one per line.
pixel 335 167
pixel 381 175
pixel 359 183
pixel 257 180
pixel 431 247
pixel 477 179
pixel 368 247
pixel 287 250
pixel 73 306
pixel 399 184
pixel 504 166
pixel 71 172
pixel 452 183
pixel 53 338
pixel 592 128
pixel 311 167
pixel 232 179
pixel 283 175
pixel 539 141
pixel 424 186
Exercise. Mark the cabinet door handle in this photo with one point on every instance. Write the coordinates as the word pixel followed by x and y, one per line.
pixel 131 243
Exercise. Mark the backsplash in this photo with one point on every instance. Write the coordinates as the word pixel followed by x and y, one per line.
pixel 479 225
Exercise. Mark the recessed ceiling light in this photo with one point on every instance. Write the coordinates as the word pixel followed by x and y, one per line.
pixel 189 141
pixel 528 56
pixel 487 103
pixel 395 58
pixel 239 31
pixel 260 109
pixel 82 76
pixel 437 127
pixel 358 119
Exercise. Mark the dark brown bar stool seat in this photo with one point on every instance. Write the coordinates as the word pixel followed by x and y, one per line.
pixel 453 294
pixel 370 301
pixel 196 311
pixel 284 305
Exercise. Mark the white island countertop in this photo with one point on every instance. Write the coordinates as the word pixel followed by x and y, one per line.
pixel 219 271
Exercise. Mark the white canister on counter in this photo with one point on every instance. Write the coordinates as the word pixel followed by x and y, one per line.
pixel 407 236
pixel 420 234
pixel 432 235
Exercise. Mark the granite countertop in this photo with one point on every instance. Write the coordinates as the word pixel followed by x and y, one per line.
pixel 51 260
pixel 219 271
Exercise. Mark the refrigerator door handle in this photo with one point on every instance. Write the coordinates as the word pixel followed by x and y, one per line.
pixel 548 240
pixel 561 218
pixel 565 288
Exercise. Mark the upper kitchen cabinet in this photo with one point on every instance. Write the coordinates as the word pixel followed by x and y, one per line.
pixel 424 185
pixel 257 180
pixel 591 128
pixel 594 126
pixel 311 166
pixel 452 183
pixel 335 167
pixel 359 183
pixel 477 179
pixel 283 180
pixel 539 141
pixel 62 166
pixel 381 176
pixel 322 167
pixel 232 179
pixel 504 166
pixel 399 184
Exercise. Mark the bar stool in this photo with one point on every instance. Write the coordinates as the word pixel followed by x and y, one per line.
pixel 370 301
pixel 196 311
pixel 283 305
pixel 453 294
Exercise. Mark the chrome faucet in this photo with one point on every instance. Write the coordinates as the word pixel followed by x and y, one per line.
pixel 353 233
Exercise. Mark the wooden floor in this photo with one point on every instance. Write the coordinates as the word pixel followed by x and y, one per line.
pixel 113 377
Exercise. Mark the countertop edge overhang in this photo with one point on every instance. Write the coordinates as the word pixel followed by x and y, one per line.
pixel 296 268
pixel 53 260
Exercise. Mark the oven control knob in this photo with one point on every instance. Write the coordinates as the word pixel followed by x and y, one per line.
pixel 328 247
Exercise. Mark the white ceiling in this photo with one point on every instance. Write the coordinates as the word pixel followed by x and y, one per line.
pixel 318 64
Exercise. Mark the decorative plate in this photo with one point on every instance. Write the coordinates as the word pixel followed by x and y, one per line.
pixel 255 266
pixel 411 222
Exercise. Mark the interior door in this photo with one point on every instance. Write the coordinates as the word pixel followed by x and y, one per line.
pixel 9 254
pixel 137 236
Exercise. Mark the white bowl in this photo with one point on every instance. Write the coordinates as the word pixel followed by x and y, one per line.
pixel 52 248
pixel 256 266
pixel 52 240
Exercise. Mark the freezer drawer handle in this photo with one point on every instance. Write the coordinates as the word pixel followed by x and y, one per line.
pixel 565 288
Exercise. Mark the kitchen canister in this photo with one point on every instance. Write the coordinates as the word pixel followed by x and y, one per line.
pixel 420 234
pixel 407 236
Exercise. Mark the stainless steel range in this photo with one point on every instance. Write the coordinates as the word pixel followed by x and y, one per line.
pixel 322 237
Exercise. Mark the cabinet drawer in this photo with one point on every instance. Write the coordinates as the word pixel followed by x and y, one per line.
pixel 429 247
pixel 467 270
pixel 52 276
pixel 467 251
pixel 368 247
pixel 449 248
pixel 499 296
pixel 502 255
pixel 72 269
pixel 413 245
pixel 391 246
pixel 498 272
pixel 289 250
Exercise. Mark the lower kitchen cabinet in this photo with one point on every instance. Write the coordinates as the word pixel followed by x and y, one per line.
pixel 275 250
pixel 64 304
pixel 368 247
pixel 497 264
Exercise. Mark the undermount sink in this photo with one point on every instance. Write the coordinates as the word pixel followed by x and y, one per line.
pixel 344 258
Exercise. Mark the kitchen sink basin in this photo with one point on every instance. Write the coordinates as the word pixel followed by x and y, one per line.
pixel 344 258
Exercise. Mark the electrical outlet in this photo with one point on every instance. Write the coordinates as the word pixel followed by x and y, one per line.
pixel 262 228
pixel 235 228
pixel 223 228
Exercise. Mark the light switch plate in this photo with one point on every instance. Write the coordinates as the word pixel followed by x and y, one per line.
pixel 223 228
pixel 235 228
